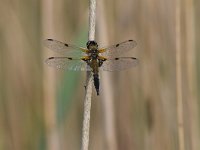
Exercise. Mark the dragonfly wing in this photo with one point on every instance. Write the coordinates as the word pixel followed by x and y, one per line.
pixel 68 63
pixel 118 49
pixel 121 63
pixel 63 48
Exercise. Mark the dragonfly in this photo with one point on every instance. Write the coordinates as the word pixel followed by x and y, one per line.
pixel 91 58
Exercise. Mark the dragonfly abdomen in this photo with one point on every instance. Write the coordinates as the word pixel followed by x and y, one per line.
pixel 96 82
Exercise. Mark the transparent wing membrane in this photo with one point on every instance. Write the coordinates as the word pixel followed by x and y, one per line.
pixel 75 56
pixel 67 63
pixel 121 63
pixel 63 48
pixel 118 49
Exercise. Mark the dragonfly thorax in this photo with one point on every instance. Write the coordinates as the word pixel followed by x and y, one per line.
pixel 93 53
pixel 92 46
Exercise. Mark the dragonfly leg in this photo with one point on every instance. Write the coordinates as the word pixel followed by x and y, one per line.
pixel 101 59
pixel 87 81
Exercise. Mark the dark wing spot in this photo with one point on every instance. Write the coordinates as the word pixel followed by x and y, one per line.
pixel 50 39
pixel 51 57
pixel 70 58
pixel 130 40
pixel 66 45
pixel 133 58
pixel 116 58
pixel 117 45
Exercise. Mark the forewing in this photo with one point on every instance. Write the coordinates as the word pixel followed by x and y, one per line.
pixel 121 63
pixel 68 63
pixel 118 49
pixel 63 48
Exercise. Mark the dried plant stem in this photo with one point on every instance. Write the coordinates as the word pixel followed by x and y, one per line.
pixel 49 80
pixel 107 93
pixel 86 116
pixel 191 74
pixel 88 94
pixel 92 20
pixel 179 78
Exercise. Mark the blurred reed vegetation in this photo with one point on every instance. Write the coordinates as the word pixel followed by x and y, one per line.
pixel 41 108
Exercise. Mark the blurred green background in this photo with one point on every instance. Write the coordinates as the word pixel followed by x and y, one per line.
pixel 41 108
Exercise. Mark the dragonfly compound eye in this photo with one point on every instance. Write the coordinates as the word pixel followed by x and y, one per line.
pixel 91 44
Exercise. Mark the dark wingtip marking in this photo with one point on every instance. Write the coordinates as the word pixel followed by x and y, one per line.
pixel 130 40
pixel 117 45
pixel 83 59
pixel 66 45
pixel 116 58
pixel 50 39
pixel 70 58
pixel 51 57
pixel 133 58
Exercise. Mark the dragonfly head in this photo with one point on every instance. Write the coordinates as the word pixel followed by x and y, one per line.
pixel 92 45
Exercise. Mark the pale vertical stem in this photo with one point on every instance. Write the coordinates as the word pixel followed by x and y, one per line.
pixel 107 93
pixel 191 74
pixel 179 77
pixel 88 94
pixel 92 19
pixel 49 80
pixel 86 115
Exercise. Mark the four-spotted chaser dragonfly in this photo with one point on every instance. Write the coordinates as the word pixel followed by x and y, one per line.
pixel 91 58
